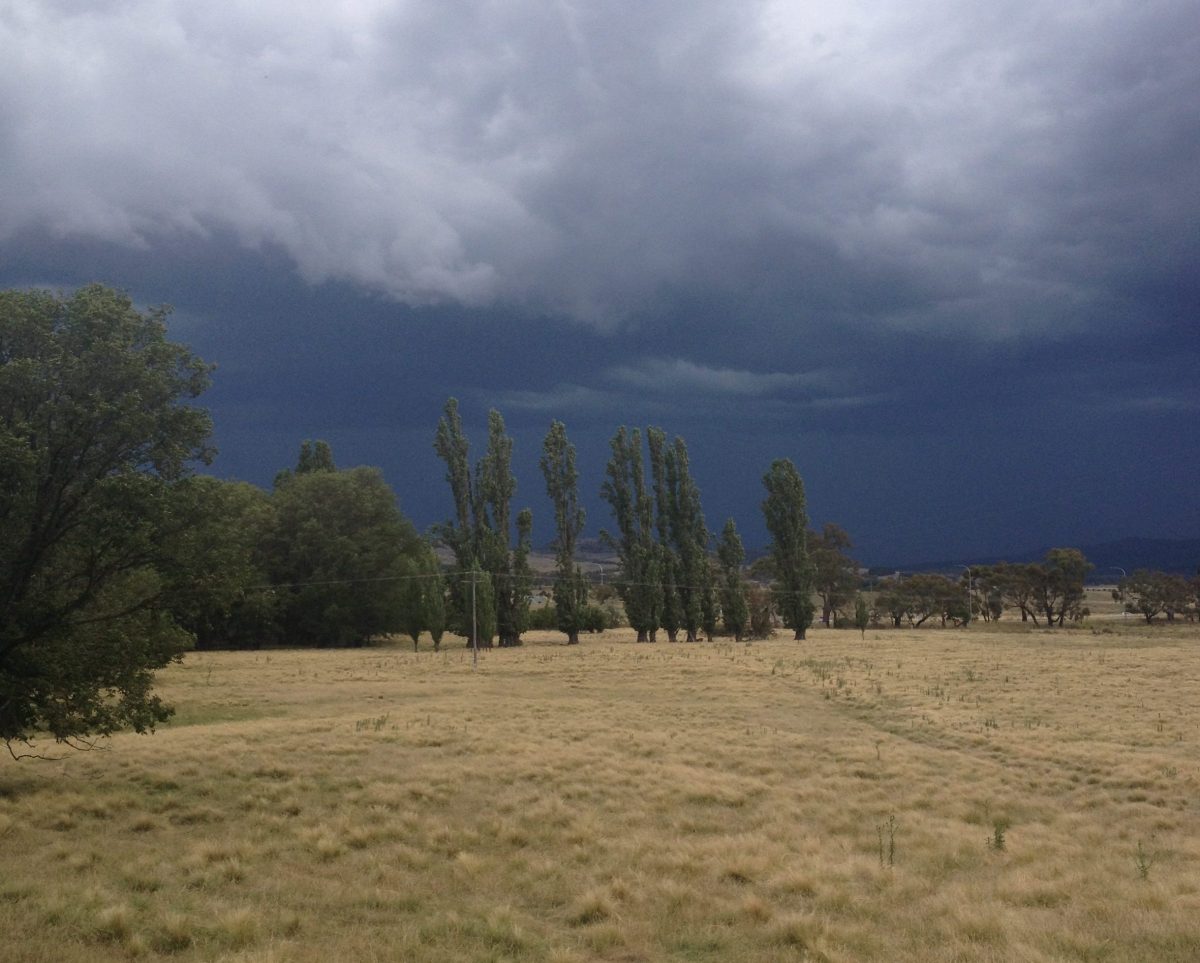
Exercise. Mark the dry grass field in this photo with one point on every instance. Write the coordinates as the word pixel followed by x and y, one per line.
pixel 941 795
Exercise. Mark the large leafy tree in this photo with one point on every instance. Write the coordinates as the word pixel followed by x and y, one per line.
pixel 96 436
pixel 218 574
pixel 339 554
pixel 1057 585
pixel 786 513
pixel 562 485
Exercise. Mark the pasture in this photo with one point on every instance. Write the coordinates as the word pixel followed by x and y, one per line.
pixel 974 794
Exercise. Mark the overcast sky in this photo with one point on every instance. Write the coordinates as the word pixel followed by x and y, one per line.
pixel 944 256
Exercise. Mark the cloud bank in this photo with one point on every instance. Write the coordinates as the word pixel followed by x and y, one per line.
pixel 1018 168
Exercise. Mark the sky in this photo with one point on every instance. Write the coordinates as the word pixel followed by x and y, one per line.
pixel 943 256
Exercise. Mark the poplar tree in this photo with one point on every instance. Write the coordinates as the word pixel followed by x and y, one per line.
pixel 495 486
pixel 639 586
pixel 521 576
pixel 562 485
pixel 452 447
pixel 731 555
pixel 481 534
pixel 315 456
pixel 786 515
pixel 422 597
pixel 689 537
pixel 668 563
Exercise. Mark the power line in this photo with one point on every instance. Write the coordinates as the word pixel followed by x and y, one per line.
pixel 540 584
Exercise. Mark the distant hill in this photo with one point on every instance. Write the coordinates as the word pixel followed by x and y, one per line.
pixel 1180 555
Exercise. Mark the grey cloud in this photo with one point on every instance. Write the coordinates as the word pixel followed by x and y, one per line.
pixel 678 375
pixel 561 399
pixel 1002 169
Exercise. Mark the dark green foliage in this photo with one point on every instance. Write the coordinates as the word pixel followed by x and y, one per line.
pixel 1050 590
pixel 423 597
pixel 1057 585
pixel 314 456
pixel 519 585
pixel 337 554
pixel 592 618
pixel 495 486
pixel 562 485
pixel 835 574
pixel 1152 593
pixel 640 584
pixel 481 531
pixel 920 597
pixel 452 447
pixel 95 438
pixel 689 539
pixel 786 515
pixel 731 556
pixel 218 573
pixel 480 614
pixel 987 584
pixel 667 562
pixel 862 614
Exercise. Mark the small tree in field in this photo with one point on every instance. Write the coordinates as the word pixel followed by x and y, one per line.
pixel 1057 585
pixel 862 614
pixel 1151 593
pixel 835 574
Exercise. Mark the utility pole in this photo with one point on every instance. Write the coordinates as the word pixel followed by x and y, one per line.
pixel 474 626
pixel 970 593
pixel 1124 575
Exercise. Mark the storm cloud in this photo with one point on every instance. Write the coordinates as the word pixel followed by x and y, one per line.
pixel 887 233
pixel 999 168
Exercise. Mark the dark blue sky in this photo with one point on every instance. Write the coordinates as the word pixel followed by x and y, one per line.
pixel 945 260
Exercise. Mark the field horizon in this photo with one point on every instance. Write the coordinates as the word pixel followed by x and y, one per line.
pixel 990 793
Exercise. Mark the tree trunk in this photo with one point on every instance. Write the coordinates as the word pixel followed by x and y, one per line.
pixel 672 635
pixel 573 637
pixel 643 635
pixel 799 635
pixel 691 635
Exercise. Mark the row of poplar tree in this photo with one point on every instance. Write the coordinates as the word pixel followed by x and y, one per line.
pixel 667 580
pixel 326 557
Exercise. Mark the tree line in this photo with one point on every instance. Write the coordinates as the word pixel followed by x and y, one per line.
pixel 117 555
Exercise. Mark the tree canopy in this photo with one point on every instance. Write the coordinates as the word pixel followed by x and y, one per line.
pixel 96 438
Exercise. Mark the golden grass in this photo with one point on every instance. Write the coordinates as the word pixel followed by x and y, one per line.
pixel 634 803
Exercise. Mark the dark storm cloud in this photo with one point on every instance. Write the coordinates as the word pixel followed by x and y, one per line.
pixel 942 255
pixel 1011 169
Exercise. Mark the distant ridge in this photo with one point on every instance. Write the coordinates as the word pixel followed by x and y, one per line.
pixel 1181 555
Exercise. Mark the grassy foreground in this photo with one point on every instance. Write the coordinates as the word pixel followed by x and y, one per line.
pixel 914 796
